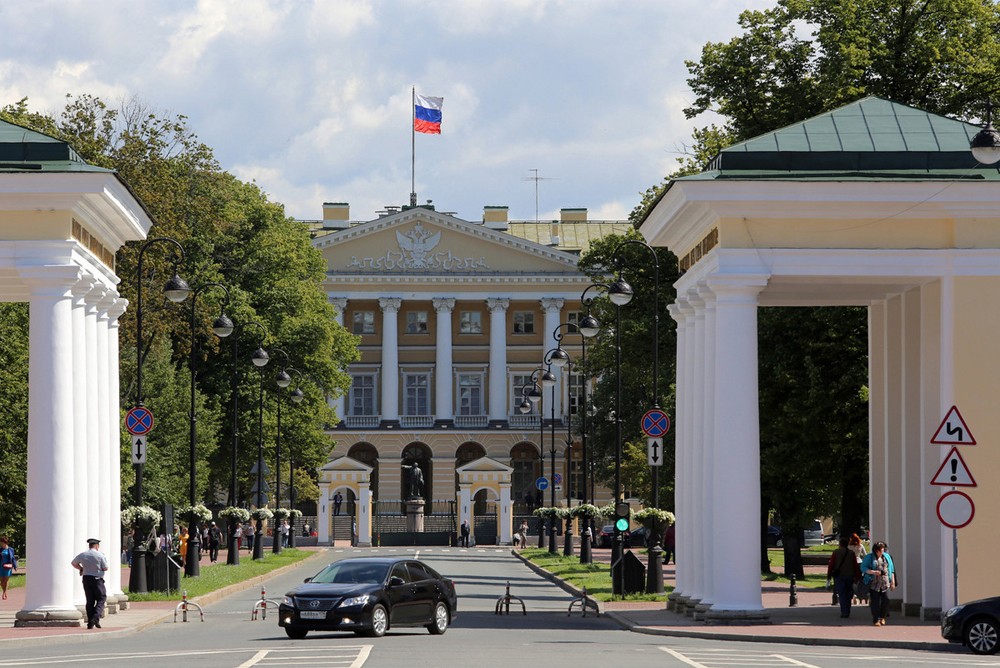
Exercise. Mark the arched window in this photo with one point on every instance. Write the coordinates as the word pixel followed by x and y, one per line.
pixel 467 452
pixel 367 454
pixel 419 454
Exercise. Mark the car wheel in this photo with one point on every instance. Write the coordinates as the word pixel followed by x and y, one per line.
pixel 295 633
pixel 379 623
pixel 779 543
pixel 981 636
pixel 440 623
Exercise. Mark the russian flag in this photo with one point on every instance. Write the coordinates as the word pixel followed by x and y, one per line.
pixel 427 114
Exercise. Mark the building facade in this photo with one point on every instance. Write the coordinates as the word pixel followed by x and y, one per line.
pixel 454 318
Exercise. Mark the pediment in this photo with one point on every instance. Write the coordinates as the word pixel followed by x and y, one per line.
pixel 346 463
pixel 424 242
pixel 484 465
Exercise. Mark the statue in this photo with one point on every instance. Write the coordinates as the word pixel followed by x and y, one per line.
pixel 415 480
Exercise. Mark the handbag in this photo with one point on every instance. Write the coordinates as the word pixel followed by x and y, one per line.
pixel 862 589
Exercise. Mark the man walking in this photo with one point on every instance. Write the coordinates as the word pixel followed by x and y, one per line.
pixel 92 565
pixel 464 542
pixel 338 499
pixel 214 538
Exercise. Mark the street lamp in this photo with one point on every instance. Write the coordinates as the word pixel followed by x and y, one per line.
pixel 561 358
pixel 222 327
pixel 547 360
pixel 985 145
pixel 260 358
pixel 540 378
pixel 176 290
pixel 297 396
pixel 282 380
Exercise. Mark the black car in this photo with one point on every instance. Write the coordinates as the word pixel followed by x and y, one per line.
pixel 368 596
pixel 606 536
pixel 976 625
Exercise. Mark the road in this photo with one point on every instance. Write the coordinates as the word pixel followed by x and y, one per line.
pixel 546 636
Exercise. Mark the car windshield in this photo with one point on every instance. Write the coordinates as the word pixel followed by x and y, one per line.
pixel 352 573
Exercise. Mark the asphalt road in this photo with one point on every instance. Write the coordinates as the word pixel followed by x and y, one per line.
pixel 546 636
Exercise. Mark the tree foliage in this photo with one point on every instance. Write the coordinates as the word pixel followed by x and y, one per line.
pixel 231 234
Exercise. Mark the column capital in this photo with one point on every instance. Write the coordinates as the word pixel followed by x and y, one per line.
pixel 443 304
pixel 83 287
pixel 50 280
pixel 116 310
pixel 339 303
pixel 736 288
pixel 390 303
pixel 106 303
pixel 495 304
pixel 552 303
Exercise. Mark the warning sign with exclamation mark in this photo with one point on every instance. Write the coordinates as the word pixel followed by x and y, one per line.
pixel 954 472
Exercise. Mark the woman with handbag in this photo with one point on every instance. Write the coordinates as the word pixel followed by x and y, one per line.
pixel 8 563
pixel 879 574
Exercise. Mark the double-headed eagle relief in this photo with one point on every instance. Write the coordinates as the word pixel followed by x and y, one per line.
pixel 417 250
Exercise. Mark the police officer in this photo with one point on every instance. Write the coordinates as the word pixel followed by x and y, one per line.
pixel 92 565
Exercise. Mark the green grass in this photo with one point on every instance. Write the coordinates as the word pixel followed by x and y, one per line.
pixel 220 575
pixel 595 577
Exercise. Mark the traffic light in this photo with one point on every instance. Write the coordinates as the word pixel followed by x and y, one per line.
pixel 622 513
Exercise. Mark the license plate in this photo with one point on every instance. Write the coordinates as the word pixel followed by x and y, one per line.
pixel 312 614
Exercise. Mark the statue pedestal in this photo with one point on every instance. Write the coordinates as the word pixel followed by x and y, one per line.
pixel 415 514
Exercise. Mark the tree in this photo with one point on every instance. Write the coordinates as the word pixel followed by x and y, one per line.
pixel 13 420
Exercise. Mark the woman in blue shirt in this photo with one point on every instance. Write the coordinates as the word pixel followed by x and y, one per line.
pixel 880 576
pixel 8 564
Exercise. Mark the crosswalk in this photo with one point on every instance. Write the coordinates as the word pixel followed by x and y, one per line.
pixel 314 656
pixel 725 657
pixel 338 656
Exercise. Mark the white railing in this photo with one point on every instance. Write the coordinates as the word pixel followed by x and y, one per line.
pixel 361 421
pixel 521 421
pixel 471 421
pixel 412 421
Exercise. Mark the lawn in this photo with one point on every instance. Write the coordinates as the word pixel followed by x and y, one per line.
pixel 220 575
pixel 595 577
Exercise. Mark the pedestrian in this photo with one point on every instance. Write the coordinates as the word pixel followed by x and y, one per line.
pixel 354 532
pixel 880 576
pixel 250 533
pixel 286 528
pixel 239 535
pixel 669 545
pixel 337 500
pixel 522 534
pixel 842 569
pixel 128 544
pixel 8 563
pixel 92 565
pixel 305 529
pixel 214 538
pixel 183 544
pixel 464 542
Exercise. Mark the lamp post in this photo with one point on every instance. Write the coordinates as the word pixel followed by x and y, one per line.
pixel 547 360
pixel 540 378
pixel 176 290
pixel 297 396
pixel 985 146
pixel 233 556
pixel 588 328
pixel 282 380
pixel 260 359
pixel 222 327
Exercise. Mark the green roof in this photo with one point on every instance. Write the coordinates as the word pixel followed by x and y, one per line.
pixel 22 149
pixel 871 137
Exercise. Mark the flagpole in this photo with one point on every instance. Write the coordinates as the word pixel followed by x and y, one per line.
pixel 413 146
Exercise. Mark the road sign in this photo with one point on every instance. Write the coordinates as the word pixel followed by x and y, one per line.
pixel 139 420
pixel 557 478
pixel 955 509
pixel 542 484
pixel 139 449
pixel 953 430
pixel 654 451
pixel 954 472
pixel 655 423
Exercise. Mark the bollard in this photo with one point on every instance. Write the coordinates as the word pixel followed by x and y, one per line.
pixel 793 597
pixel 503 603
pixel 182 607
pixel 262 605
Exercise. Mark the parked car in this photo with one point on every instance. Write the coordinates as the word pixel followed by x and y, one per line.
pixel 774 537
pixel 606 536
pixel 975 624
pixel 369 596
pixel 639 537
pixel 813 535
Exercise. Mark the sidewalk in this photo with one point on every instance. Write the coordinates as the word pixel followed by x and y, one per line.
pixel 140 615
pixel 813 621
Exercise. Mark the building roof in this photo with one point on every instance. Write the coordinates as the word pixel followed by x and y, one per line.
pixel 24 150
pixel 574 236
pixel 872 138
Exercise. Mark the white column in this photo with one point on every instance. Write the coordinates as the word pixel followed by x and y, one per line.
pixel 710 561
pixel 323 516
pixel 80 415
pixel 114 585
pixel 51 490
pixel 506 515
pixel 365 518
pixel 498 359
pixel 700 533
pixel 552 307
pixel 681 455
pixel 465 503
pixel 104 445
pixel 735 523
pixel 390 358
pixel 339 308
pixel 443 391
pixel 93 410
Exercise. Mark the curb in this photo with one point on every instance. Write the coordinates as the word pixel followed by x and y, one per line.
pixel 556 580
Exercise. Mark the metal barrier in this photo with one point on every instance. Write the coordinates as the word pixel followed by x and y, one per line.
pixel 262 606
pixel 183 608
pixel 584 602
pixel 504 602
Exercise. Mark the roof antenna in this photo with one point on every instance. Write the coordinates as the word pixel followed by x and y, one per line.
pixel 536 178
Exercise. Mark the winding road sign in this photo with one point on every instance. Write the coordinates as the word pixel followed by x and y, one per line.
pixel 139 421
pixel 953 430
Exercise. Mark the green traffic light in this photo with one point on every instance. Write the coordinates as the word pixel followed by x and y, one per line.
pixel 621 524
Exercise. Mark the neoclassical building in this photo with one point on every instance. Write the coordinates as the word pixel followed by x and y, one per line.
pixel 453 316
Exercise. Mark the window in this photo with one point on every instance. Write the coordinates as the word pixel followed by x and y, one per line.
pixel 573 321
pixel 416 322
pixel 520 383
pixel 470 394
pixel 364 322
pixel 417 400
pixel 470 322
pixel 362 399
pixel 524 322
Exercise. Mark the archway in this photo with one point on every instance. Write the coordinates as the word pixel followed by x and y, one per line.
pixel 419 454
pixel 467 452
pixel 525 464
pixel 367 454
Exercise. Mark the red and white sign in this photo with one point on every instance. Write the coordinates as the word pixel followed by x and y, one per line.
pixel 955 509
pixel 954 472
pixel 953 430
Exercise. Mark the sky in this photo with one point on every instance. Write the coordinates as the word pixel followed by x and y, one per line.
pixel 311 100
